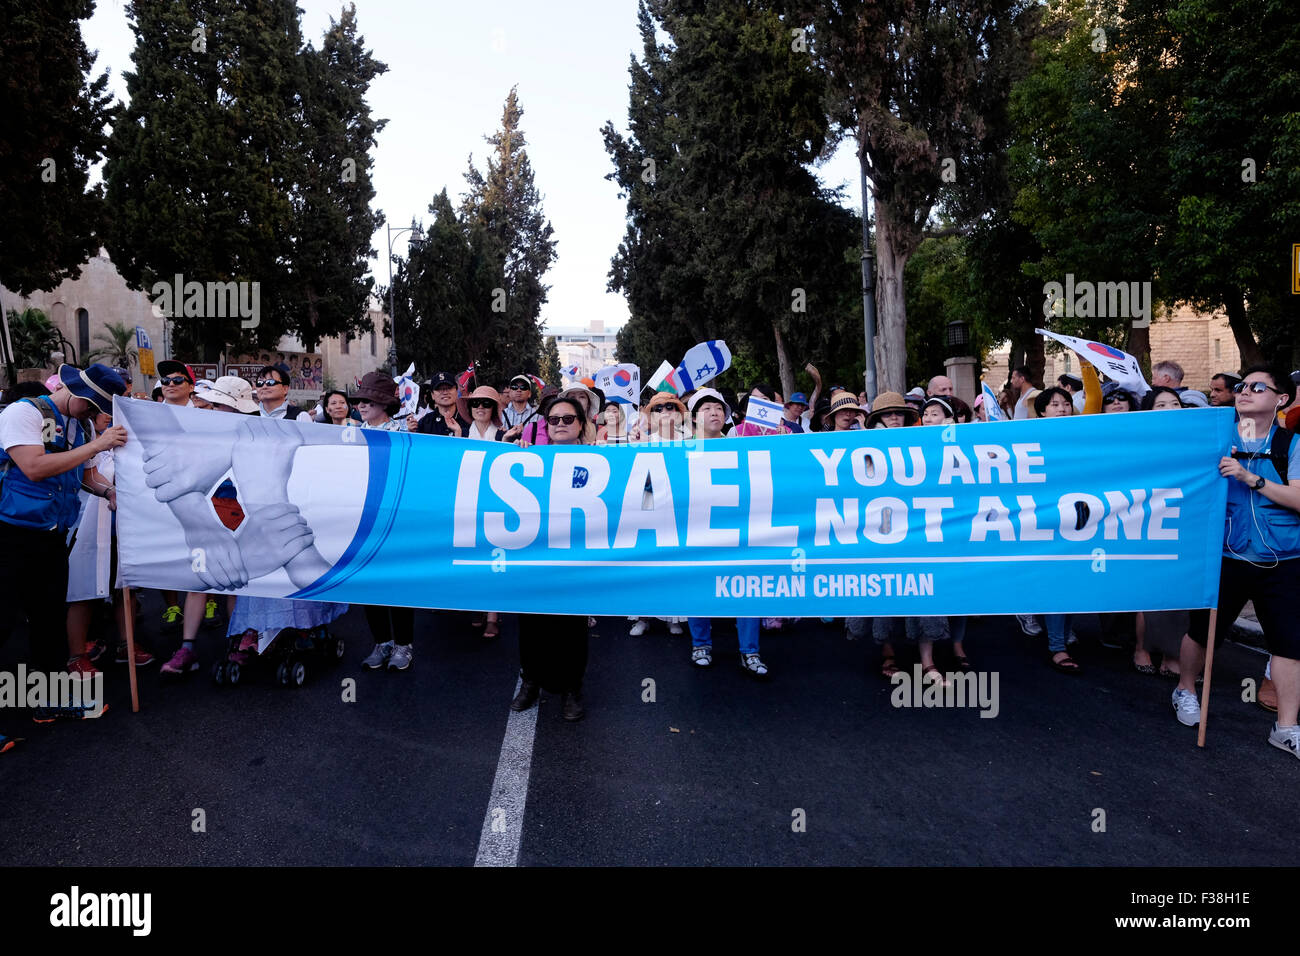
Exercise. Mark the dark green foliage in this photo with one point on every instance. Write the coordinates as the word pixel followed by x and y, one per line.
pixel 51 111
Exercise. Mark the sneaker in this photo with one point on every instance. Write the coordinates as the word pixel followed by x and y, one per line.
pixel 752 664
pixel 47 715
pixel 142 657
pixel 182 662
pixel 171 619
pixel 1187 708
pixel 674 628
pixel 81 668
pixel 1071 637
pixel 210 612
pixel 702 656
pixel 1029 625
pixel 1286 738
pixel 400 659
pixel 94 650
pixel 639 628
pixel 379 656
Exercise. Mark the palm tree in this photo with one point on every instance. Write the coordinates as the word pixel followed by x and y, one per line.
pixel 34 338
pixel 119 347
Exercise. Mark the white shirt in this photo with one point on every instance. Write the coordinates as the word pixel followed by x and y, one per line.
pixel 21 424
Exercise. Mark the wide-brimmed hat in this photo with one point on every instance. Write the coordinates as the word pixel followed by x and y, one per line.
pixel 1191 398
pixel 842 400
pixel 486 391
pixel 593 401
pixel 232 391
pixel 376 387
pixel 667 398
pixel 702 395
pixel 96 384
pixel 891 402
pixel 943 402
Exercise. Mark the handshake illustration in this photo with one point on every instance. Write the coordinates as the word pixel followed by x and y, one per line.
pixel 273 533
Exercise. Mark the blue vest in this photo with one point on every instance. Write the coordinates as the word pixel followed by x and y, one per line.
pixel 52 504
pixel 1274 529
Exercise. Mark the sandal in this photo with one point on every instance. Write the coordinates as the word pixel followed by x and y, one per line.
pixel 1166 672
pixel 1066 665
pixel 477 622
pixel 491 630
pixel 1147 668
pixel 963 663
pixel 888 666
pixel 932 673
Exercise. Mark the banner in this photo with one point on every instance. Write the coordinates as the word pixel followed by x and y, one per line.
pixel 1087 513
pixel 1118 366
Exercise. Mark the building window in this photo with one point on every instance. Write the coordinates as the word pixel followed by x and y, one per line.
pixel 372 341
pixel 1217 349
pixel 1067 363
pixel 343 343
pixel 83 334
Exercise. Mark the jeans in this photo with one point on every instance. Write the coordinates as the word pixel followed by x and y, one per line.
pixel 746 633
pixel 1058 625
pixel 34 585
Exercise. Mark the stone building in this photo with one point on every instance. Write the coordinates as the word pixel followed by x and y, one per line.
pixel 81 308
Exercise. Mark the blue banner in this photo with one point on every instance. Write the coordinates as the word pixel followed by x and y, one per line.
pixel 1088 513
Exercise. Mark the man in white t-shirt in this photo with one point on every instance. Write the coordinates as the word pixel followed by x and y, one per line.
pixel 1021 387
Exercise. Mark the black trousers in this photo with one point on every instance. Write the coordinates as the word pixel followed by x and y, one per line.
pixel 553 651
pixel 1275 591
pixel 34 585
pixel 396 624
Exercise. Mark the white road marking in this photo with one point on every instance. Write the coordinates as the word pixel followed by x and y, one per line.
pixel 503 825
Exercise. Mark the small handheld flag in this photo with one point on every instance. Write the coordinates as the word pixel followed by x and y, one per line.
pixel 762 412
pixel 702 363
pixel 991 407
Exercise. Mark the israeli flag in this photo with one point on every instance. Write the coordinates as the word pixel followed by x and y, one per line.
pixel 705 361
pixel 991 407
pixel 762 412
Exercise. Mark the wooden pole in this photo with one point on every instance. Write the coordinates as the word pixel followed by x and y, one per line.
pixel 128 615
pixel 1209 666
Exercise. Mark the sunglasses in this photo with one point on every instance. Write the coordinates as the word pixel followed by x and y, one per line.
pixel 268 383
pixel 483 403
pixel 561 419
pixel 1256 387
pixel 519 388
pixel 1116 398
pixel 174 380
pixel 663 408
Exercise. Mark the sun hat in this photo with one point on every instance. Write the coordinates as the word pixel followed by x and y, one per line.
pixel 96 384
pixel 488 392
pixel 798 398
pixel 1191 398
pixel 708 395
pixel 841 401
pixel 593 402
pixel 376 387
pixel 891 402
pixel 942 402
pixel 668 398
pixel 232 391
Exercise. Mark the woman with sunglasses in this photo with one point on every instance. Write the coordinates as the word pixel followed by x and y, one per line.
pixel 486 425
pixel 1261 550
pixel 553 647
pixel 376 401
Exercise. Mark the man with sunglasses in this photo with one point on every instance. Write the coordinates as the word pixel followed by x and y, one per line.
pixel 445 419
pixel 273 394
pixel 519 409
pixel 1261 551
pixel 177 382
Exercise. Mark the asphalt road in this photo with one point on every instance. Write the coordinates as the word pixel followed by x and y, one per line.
pixel 814 766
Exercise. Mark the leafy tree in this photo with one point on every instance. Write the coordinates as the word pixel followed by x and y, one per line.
pixel 54 119
pixel 920 86
pixel 334 221
pixel 730 235
pixel 505 204
pixel 34 338
pixel 549 365
pixel 118 349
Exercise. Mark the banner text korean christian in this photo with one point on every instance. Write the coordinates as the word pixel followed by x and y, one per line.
pixel 1092 513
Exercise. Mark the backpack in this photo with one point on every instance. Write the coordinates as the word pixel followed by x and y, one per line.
pixel 1279 453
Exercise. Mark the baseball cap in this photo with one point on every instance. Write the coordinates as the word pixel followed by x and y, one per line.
pixel 438 379
pixel 798 398
pixel 172 367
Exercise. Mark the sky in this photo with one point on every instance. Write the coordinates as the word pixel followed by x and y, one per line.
pixel 451 65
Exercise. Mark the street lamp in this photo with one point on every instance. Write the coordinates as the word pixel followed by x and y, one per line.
pixel 958 337
pixel 392 313
pixel 868 285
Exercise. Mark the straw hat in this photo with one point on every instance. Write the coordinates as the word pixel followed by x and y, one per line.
pixel 841 401
pixel 891 402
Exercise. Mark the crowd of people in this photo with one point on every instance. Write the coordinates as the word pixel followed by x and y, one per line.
pixel 57 527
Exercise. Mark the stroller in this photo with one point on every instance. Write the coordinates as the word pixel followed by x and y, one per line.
pixel 286 654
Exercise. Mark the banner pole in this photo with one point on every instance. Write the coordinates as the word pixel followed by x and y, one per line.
pixel 1209 665
pixel 128 616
